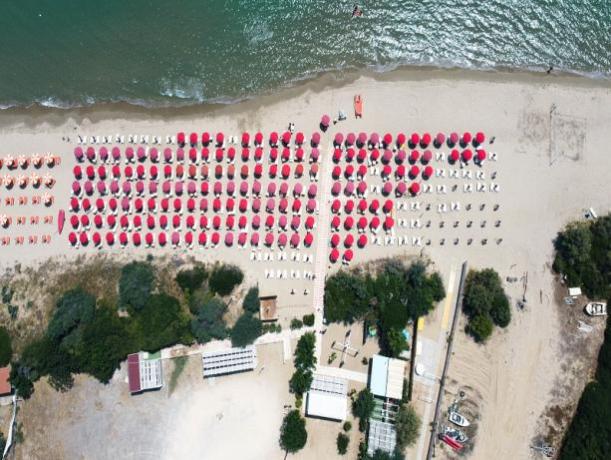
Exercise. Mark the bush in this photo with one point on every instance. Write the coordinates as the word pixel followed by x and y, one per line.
pixel 407 424
pixel 308 320
pixel 362 407
pixel 161 323
pixel 485 303
pixel 300 381
pixel 6 348
pixel 296 324
pixel 251 301
pixel 304 362
pixel 293 434
pixel 73 311
pixel 135 285
pixel 480 327
pixel 346 297
pixel 209 324
pixel 191 279
pixel 342 443
pixel 224 278
pixel 347 426
pixel 246 330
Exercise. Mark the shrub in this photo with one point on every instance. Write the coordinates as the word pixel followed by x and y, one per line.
pixel 296 323
pixel 304 362
pixel 251 301
pixel 208 324
pixel 73 311
pixel 300 381
pixel 224 278
pixel 293 434
pixel 342 443
pixel 6 348
pixel 161 323
pixel 347 426
pixel 480 327
pixel 135 285
pixel 308 320
pixel 346 297
pixel 362 407
pixel 191 279
pixel 407 424
pixel 245 331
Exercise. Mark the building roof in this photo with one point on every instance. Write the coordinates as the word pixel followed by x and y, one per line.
pixel 229 361
pixel 144 372
pixel 382 435
pixel 387 377
pixel 268 309
pixel 327 397
pixel 5 384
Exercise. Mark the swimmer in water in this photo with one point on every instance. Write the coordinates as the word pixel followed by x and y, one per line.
pixel 357 12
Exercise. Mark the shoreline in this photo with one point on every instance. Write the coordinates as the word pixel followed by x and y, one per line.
pixel 331 79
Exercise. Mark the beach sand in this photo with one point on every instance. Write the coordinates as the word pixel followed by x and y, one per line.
pixel 552 143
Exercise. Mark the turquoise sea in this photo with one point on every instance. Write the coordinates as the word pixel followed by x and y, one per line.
pixel 69 52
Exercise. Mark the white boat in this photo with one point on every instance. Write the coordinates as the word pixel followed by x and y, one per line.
pixel 458 419
pixel 596 308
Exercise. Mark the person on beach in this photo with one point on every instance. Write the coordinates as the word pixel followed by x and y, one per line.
pixel 357 12
pixel 551 68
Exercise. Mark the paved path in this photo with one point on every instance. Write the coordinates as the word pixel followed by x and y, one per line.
pixel 343 373
pixel 320 268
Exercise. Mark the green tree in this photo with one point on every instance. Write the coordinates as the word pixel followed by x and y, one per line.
pixel 224 278
pixel 73 311
pixel 161 323
pixel 342 443
pixel 500 312
pixel 480 327
pixel 477 300
pixel 293 434
pixel 6 348
pixel 304 352
pixel 209 324
pixel 346 297
pixel 245 331
pixel 407 424
pixel 308 320
pixel 135 285
pixel 300 381
pixel 106 342
pixel 191 279
pixel 251 301
pixel 393 342
pixel 435 285
pixel 296 323
pixel 362 407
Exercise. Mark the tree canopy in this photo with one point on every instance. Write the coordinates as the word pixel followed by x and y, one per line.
pixel 191 279
pixel 346 297
pixel 136 285
pixel 161 323
pixel 304 362
pixel 208 323
pixel 293 434
pixel 72 312
pixel 342 443
pixel 246 330
pixel 407 425
pixel 6 348
pixel 362 407
pixel 224 278
pixel 485 303
pixel 251 301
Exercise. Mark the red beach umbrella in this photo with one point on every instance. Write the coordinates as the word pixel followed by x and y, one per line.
pixel 286 138
pixel 308 239
pixel 334 255
pixel 428 172
pixel 400 189
pixel 375 155
pixel 374 206
pixel 389 223
pixel 273 139
pixel 254 239
pixel 339 139
pixel 294 240
pixel 349 240
pixel 273 171
pixel 467 155
pixel 315 139
pixel 362 241
pixel 388 205
pixel 205 138
pixel 362 223
pixel 414 188
pixel 229 239
pixel 349 206
pixel 481 155
pixel 216 238
pixel 387 140
pixel 414 171
pixel 335 240
pixel 299 138
pixel 348 255
pixel 309 223
pixel 349 223
pixel 335 222
pixel 202 238
pixel 425 141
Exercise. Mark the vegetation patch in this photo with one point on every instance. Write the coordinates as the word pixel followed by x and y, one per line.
pixel 224 278
pixel 485 304
pixel 293 434
pixel 389 299
pixel 304 361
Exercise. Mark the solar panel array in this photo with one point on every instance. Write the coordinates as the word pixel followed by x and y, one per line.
pixel 229 361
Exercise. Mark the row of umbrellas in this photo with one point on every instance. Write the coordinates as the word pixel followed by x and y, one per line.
pixel 363 205
pixel 360 189
pixel 414 140
pixel 362 223
pixel 206 139
pixel 401 156
pixel 192 172
pixel 193 155
pixel 140 205
pixel 83 221
pixel 349 172
pixel 188 239
pixel 179 188
pixel 22 161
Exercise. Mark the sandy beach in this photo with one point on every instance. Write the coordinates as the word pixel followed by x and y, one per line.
pixel 551 143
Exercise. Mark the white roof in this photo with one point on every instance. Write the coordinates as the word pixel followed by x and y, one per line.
pixel 229 361
pixel 329 384
pixel 150 374
pixel 387 377
pixel 574 291
pixel 326 405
